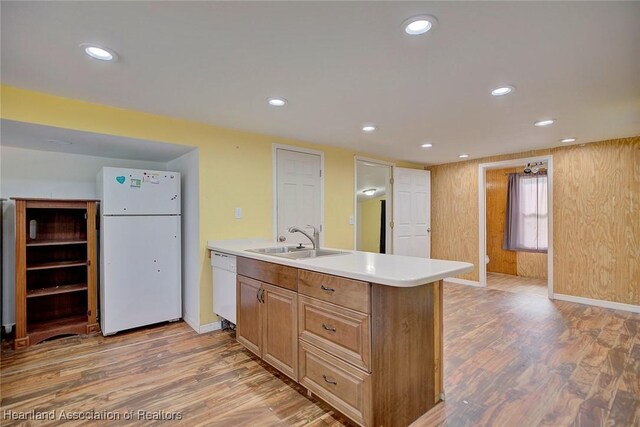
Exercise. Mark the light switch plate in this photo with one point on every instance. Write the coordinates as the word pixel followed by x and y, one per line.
pixel 351 220
pixel 238 213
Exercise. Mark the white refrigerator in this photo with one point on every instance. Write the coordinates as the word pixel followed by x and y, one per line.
pixel 140 250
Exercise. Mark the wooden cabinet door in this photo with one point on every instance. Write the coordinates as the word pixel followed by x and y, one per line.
pixel 280 330
pixel 249 307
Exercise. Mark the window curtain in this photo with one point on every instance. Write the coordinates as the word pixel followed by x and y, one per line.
pixel 525 227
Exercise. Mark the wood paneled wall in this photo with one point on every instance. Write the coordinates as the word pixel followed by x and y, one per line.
pixel 596 229
pixel 531 264
pixel 454 209
pixel 500 261
pixel 597 220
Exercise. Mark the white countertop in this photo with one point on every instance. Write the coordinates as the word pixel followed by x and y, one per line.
pixel 390 270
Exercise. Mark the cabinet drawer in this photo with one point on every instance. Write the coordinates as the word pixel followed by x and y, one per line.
pixel 340 385
pixel 275 274
pixel 348 293
pixel 342 332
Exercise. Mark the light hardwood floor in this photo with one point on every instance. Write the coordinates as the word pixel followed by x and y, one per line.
pixel 510 283
pixel 510 360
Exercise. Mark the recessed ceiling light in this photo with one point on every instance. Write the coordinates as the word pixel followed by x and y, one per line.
pixel 503 90
pixel 568 140
pixel 463 156
pixel 427 145
pixel 98 52
pixel 277 102
pixel 420 24
pixel 369 128
pixel 370 192
pixel 545 122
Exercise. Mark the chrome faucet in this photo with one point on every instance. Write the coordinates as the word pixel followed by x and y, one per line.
pixel 315 240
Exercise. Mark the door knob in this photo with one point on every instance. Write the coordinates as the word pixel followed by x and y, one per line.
pixel 429 230
pixel 281 238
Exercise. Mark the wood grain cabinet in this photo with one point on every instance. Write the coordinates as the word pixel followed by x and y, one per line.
pixel 373 352
pixel 249 314
pixel 55 271
pixel 340 331
pixel 267 323
pixel 280 329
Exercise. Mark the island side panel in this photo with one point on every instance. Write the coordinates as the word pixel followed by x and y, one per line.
pixel 438 341
pixel 405 329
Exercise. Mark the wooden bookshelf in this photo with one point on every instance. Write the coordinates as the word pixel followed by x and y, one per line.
pixel 55 242
pixel 55 269
pixel 56 264
pixel 53 290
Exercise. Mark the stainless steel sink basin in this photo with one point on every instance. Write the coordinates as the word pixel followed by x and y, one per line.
pixel 293 252
pixel 277 250
pixel 310 253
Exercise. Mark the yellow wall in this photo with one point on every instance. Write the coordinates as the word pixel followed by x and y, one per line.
pixel 596 220
pixel 370 211
pixel 235 168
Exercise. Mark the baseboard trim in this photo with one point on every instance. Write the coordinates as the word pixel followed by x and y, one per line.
pixel 464 282
pixel 598 303
pixel 203 329
pixel 194 325
pixel 213 326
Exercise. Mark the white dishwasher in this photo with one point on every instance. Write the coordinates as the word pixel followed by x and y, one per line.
pixel 224 285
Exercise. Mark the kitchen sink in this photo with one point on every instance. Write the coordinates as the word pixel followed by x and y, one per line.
pixel 310 253
pixel 278 250
pixel 293 252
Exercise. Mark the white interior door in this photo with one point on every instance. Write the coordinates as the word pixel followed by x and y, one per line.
pixel 298 194
pixel 412 212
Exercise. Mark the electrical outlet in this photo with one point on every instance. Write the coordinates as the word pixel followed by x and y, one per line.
pixel 351 220
pixel 238 213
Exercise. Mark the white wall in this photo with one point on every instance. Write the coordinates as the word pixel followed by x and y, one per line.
pixel 187 165
pixel 31 173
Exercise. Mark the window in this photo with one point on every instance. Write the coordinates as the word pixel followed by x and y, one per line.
pixel 526 214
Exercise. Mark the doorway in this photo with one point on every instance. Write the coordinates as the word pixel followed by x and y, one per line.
pixel 374 206
pixel 298 193
pixel 515 223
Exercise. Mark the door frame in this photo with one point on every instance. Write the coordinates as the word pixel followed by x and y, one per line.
pixel 389 210
pixel 274 185
pixel 482 213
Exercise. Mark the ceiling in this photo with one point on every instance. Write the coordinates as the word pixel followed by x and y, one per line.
pixel 343 64
pixel 47 138
pixel 371 175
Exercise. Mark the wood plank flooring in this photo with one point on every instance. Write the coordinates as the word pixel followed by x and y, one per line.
pixel 518 284
pixel 510 360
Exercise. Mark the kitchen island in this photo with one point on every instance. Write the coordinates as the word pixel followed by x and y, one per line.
pixel 359 330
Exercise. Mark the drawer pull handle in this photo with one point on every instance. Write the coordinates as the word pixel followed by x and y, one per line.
pixel 330 381
pixel 328 328
pixel 324 288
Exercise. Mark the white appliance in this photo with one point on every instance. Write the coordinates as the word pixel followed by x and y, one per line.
pixel 224 285
pixel 140 250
